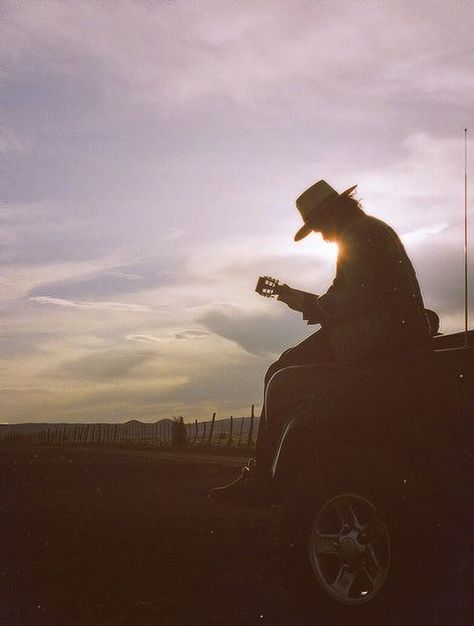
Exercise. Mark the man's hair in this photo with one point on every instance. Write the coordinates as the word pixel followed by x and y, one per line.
pixel 344 209
pixel 349 206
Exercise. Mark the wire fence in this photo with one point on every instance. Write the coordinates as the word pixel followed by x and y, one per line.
pixel 223 434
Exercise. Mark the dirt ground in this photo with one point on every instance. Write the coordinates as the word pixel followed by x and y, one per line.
pixel 98 537
pixel 104 537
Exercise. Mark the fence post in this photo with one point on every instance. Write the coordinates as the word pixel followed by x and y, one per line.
pixel 211 432
pixel 231 428
pixel 222 432
pixel 241 429
pixel 252 418
pixel 203 440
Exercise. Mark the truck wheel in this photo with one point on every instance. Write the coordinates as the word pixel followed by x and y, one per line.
pixel 344 548
pixel 349 548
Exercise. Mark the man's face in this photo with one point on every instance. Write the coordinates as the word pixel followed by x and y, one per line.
pixel 328 234
pixel 327 224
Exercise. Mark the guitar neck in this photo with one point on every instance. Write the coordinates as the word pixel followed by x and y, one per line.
pixel 304 293
pixel 269 287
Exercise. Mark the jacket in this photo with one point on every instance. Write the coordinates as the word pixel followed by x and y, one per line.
pixel 374 304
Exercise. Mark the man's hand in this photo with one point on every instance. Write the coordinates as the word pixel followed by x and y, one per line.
pixel 292 297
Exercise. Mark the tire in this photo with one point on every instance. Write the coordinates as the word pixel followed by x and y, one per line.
pixel 344 553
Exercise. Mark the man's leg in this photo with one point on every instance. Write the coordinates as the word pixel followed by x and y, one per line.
pixel 314 349
pixel 250 485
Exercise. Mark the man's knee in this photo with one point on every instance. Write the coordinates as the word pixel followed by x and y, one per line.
pixel 283 361
pixel 274 367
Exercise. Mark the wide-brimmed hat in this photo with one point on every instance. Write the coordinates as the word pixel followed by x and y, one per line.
pixel 312 202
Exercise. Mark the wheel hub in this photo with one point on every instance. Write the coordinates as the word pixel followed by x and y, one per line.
pixel 350 549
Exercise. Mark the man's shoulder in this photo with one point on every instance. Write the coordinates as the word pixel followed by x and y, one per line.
pixel 368 226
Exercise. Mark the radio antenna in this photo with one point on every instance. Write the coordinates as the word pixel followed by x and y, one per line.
pixel 466 294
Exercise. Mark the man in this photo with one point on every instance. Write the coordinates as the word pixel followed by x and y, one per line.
pixel 373 308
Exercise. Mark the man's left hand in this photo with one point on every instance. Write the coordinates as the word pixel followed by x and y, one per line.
pixel 292 297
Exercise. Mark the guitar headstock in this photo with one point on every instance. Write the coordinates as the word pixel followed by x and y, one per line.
pixel 267 286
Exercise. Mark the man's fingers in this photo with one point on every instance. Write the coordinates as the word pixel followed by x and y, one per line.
pixel 284 293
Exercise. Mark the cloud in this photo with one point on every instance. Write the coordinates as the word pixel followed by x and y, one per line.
pixel 190 334
pixel 145 274
pixel 108 365
pixel 194 392
pixel 261 334
pixel 248 54
pixel 90 306
pixel 39 232
pixel 24 344
pixel 143 338
pixel 169 336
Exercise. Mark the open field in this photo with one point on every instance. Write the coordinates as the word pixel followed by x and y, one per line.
pixel 110 537
pixel 104 537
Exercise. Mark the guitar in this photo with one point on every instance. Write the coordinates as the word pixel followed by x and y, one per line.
pixel 269 287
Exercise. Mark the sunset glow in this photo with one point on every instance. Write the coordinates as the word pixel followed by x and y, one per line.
pixel 152 156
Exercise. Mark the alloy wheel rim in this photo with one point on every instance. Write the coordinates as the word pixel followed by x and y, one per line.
pixel 350 549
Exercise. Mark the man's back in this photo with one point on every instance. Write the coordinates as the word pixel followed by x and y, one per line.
pixel 374 302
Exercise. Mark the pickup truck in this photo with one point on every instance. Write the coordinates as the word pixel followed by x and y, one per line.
pixel 373 470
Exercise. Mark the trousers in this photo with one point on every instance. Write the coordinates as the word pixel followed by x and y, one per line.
pixel 313 350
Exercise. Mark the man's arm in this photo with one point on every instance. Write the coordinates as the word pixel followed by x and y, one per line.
pixel 302 301
pixel 361 276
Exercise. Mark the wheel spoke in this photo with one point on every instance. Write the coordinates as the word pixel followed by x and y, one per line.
pixel 369 576
pixel 345 512
pixel 372 568
pixel 324 544
pixel 343 583
pixel 374 527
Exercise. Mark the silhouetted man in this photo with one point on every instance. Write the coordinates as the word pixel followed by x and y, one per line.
pixel 374 306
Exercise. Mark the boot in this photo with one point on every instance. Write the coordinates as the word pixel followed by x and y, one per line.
pixel 245 489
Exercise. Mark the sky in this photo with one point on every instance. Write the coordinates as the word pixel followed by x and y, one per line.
pixel 152 153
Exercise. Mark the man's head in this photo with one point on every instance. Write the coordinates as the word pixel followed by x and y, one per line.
pixel 326 211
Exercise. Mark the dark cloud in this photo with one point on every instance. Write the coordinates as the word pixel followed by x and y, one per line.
pixel 440 269
pixel 256 333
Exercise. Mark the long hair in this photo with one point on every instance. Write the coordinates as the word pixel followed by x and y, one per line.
pixel 349 207
pixel 341 211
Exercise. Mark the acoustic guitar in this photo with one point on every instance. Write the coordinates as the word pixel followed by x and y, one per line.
pixel 269 287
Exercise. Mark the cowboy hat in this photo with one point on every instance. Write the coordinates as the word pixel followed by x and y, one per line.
pixel 313 201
